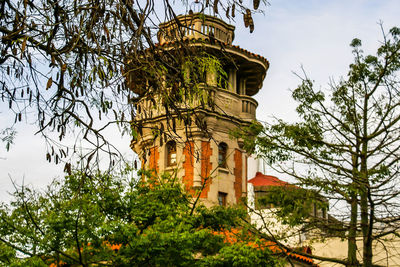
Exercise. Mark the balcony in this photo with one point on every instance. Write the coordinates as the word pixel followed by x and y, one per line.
pixel 226 103
pixel 196 26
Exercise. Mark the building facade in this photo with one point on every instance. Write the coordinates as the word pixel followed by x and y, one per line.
pixel 211 164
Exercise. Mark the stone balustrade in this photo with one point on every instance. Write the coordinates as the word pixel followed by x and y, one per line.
pixel 224 102
pixel 196 27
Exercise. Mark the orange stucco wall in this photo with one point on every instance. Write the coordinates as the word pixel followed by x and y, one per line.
pixel 238 171
pixel 188 166
pixel 206 167
pixel 154 158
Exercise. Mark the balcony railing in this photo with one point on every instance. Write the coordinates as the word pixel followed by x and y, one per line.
pixel 224 102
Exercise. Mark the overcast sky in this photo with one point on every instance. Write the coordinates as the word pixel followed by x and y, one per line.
pixel 314 34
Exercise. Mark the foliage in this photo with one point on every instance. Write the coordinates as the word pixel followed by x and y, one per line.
pixel 64 63
pixel 239 255
pixel 346 145
pixel 293 205
pixel 7 136
pixel 113 220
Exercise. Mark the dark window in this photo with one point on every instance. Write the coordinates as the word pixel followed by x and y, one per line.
pixel 222 199
pixel 222 151
pixel 171 153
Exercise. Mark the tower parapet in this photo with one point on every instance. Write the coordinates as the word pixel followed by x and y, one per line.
pixel 196 26
pixel 203 154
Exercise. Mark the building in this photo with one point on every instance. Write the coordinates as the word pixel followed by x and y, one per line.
pixel 210 162
pixel 263 214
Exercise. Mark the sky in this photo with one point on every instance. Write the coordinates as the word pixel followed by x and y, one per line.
pixel 292 34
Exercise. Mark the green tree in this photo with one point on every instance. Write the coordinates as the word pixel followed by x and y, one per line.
pixel 114 221
pixel 346 147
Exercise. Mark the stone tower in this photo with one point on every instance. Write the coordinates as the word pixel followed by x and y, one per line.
pixel 210 164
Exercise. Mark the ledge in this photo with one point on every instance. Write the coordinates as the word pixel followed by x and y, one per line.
pixel 224 170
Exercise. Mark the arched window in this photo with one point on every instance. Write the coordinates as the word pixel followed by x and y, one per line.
pixel 222 151
pixel 171 153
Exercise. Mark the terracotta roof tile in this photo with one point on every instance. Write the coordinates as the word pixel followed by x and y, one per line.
pixel 266 180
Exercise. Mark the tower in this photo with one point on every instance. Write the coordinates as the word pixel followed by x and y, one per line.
pixel 198 147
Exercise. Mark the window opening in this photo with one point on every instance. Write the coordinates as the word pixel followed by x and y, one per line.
pixel 222 199
pixel 171 153
pixel 222 151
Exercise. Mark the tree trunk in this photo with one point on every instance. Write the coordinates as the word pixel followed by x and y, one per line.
pixel 351 241
pixel 364 206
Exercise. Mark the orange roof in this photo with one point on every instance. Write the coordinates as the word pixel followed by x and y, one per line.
pixel 266 180
pixel 230 237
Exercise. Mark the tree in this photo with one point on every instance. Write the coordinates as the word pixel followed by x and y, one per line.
pixel 63 63
pixel 109 220
pixel 346 146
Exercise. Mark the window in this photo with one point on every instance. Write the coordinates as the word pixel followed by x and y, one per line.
pixel 171 153
pixel 222 151
pixel 222 199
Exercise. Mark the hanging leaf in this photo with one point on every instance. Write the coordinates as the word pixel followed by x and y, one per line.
pixel 106 31
pixel 215 6
pixel 251 24
pixel 233 10
pixel 245 20
pixel 227 12
pixel 23 46
pixel 67 168
pixel 256 4
pixel 49 83
pixel 90 158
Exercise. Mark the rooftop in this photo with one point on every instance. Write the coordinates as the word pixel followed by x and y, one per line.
pixel 267 180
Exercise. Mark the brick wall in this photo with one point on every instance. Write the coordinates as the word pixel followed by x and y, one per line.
pixel 238 171
pixel 206 167
pixel 188 166
pixel 154 158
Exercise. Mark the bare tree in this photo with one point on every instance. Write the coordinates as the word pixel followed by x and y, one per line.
pixel 63 62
